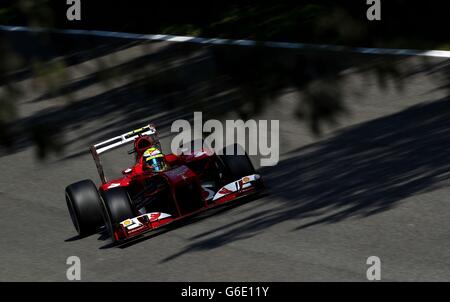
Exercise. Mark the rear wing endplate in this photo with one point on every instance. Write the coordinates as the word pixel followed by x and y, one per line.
pixel 116 142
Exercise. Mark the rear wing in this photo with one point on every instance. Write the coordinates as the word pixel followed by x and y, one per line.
pixel 118 141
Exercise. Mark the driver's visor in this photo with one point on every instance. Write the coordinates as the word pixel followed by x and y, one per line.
pixel 156 163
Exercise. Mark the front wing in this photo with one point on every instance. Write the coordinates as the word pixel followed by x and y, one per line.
pixel 139 225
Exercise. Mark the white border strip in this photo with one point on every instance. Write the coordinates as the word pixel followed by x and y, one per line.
pixel 216 41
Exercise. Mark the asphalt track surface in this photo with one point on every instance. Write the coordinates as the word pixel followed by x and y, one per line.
pixel 376 184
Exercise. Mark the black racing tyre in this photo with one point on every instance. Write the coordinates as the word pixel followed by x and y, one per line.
pixel 118 207
pixel 85 209
pixel 237 166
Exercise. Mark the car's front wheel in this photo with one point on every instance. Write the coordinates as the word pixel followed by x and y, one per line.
pixel 117 208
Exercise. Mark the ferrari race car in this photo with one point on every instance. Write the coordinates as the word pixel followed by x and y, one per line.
pixel 158 189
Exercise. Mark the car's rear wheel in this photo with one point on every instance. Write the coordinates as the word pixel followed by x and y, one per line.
pixel 83 202
pixel 236 166
pixel 118 207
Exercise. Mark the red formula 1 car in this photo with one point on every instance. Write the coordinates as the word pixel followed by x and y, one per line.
pixel 158 189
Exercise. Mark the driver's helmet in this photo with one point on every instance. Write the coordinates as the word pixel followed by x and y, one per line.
pixel 153 159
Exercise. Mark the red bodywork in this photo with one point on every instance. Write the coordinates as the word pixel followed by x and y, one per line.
pixel 181 185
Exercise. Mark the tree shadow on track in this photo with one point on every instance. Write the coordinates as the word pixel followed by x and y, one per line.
pixel 166 81
pixel 361 171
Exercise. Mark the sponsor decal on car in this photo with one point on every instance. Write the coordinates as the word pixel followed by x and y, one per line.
pixel 133 223
pixel 235 186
